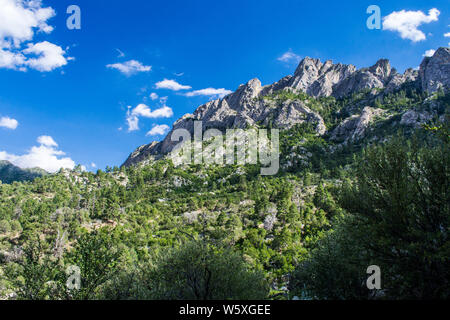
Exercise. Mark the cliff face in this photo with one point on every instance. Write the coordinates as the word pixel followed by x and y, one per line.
pixel 251 105
pixel 435 71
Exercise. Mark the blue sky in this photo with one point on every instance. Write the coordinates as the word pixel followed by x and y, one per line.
pixel 81 104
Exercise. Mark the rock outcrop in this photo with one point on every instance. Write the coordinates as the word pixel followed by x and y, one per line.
pixel 143 153
pixel 355 127
pixel 435 71
pixel 317 79
pixel 398 79
pixel 414 118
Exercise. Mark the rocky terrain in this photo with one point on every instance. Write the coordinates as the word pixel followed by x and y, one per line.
pixel 252 104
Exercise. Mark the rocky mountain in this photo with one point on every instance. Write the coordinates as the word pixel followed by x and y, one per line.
pixel 10 173
pixel 435 71
pixel 253 104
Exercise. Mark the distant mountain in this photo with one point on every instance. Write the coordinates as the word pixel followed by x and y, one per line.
pixel 302 100
pixel 10 173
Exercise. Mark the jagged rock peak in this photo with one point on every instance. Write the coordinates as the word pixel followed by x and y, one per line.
pixel 306 64
pixel 435 71
pixel 382 69
pixel 317 79
pixel 245 93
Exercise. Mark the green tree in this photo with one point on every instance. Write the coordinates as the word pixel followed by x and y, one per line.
pixel 97 256
pixel 334 270
pixel 35 269
pixel 200 271
pixel 400 203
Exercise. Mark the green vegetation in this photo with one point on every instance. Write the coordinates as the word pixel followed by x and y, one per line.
pixel 284 95
pixel 397 217
pixel 225 232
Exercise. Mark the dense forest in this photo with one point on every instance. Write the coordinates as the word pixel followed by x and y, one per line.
pixel 156 231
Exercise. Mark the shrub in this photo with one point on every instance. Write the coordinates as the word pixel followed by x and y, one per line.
pixel 5 226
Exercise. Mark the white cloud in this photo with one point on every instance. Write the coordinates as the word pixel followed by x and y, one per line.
pixel 209 92
pixel 121 54
pixel 154 96
pixel 164 112
pixel 163 100
pixel 130 67
pixel 47 141
pixel 132 121
pixel 289 57
pixel 12 60
pixel 19 21
pixel 429 53
pixel 45 156
pixel 158 130
pixel 171 85
pixel 8 123
pixel 447 35
pixel 407 23
pixel 143 110
pixel 93 165
pixel 49 56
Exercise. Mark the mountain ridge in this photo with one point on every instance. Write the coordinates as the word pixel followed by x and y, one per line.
pixel 10 173
pixel 247 106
